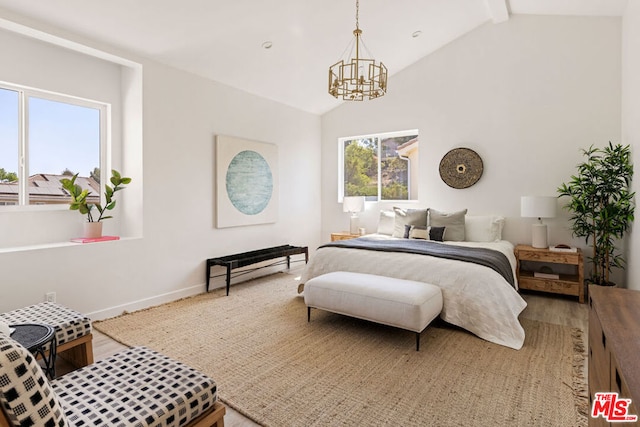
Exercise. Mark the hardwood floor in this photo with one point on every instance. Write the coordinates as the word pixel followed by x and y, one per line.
pixel 542 307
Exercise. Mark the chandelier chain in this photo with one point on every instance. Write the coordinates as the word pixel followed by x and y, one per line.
pixel 357 14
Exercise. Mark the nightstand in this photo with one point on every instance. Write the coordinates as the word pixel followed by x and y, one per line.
pixel 565 284
pixel 343 235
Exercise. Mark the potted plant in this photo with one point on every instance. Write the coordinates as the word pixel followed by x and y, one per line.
pixel 602 205
pixel 93 226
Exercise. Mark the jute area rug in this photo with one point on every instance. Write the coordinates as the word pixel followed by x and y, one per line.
pixel 277 369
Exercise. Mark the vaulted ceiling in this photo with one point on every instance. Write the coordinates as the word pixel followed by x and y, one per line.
pixel 223 39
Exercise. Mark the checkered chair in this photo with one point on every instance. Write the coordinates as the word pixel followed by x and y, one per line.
pixel 73 330
pixel 137 387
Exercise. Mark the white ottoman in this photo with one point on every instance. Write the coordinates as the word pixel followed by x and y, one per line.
pixel 395 302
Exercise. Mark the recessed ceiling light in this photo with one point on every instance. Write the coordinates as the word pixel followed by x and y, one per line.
pixel 416 34
pixel 267 45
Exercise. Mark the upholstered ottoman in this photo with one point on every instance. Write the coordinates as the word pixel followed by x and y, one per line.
pixel 395 302
pixel 73 329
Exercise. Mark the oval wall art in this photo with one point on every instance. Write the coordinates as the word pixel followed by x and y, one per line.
pixel 246 182
pixel 249 182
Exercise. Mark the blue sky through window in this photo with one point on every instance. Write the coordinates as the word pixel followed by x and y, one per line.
pixel 61 136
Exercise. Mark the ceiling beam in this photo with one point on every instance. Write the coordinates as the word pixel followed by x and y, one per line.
pixel 498 10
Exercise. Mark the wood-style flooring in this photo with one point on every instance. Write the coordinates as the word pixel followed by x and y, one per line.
pixel 542 307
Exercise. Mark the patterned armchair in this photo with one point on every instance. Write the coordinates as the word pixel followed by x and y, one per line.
pixel 137 387
pixel 73 329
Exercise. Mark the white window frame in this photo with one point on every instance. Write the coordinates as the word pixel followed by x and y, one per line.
pixel 24 92
pixel 380 136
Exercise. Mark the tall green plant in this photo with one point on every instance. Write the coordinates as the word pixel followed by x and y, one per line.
pixel 79 196
pixel 602 205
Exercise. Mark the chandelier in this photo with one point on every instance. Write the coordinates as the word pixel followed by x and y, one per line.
pixel 356 78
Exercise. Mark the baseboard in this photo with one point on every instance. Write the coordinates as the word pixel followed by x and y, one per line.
pixel 183 293
pixel 145 302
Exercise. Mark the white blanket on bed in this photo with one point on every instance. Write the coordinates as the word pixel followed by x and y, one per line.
pixel 476 298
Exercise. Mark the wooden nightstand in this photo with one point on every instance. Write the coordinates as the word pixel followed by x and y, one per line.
pixel 565 284
pixel 343 235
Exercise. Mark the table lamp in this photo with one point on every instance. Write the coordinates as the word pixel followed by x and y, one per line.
pixel 538 207
pixel 353 205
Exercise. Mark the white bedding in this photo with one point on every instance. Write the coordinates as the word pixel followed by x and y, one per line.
pixel 476 297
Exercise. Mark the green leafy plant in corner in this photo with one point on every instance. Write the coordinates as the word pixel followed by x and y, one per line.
pixel 602 205
pixel 79 196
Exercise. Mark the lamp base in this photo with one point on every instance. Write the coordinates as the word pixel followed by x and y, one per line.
pixel 353 224
pixel 539 236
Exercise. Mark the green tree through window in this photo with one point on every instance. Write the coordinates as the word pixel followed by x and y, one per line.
pixel 380 167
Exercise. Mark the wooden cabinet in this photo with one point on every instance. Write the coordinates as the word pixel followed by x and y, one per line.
pixel 566 283
pixel 343 235
pixel 614 347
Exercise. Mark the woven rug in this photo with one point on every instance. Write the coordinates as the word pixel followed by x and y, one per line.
pixel 277 369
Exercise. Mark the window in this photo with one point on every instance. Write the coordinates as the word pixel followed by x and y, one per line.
pixel 379 167
pixel 45 137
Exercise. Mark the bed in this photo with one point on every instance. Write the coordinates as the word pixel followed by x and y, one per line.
pixel 476 297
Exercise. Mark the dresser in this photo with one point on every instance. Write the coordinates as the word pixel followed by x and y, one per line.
pixel 614 346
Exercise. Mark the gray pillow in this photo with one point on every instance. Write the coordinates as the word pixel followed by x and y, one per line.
pixel 453 221
pixel 408 217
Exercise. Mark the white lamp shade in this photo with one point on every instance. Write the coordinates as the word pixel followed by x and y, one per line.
pixel 538 206
pixel 353 204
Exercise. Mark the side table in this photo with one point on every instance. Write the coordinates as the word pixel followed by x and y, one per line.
pixel 565 284
pixel 343 235
pixel 35 337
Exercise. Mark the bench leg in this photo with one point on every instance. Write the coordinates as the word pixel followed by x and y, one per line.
pixel 228 278
pixel 78 352
pixel 208 275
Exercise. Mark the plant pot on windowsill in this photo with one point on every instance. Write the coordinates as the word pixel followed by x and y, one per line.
pixel 92 230
pixel 93 227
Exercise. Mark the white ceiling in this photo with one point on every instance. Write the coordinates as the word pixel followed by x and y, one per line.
pixel 222 39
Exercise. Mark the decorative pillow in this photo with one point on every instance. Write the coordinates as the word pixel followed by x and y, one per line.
pixel 424 233
pixel 408 217
pixel 417 232
pixel 436 233
pixel 25 394
pixel 386 222
pixel 453 221
pixel 486 228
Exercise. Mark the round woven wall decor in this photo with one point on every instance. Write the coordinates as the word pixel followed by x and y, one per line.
pixel 461 168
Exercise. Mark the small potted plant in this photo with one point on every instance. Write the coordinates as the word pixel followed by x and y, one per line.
pixel 602 205
pixel 93 226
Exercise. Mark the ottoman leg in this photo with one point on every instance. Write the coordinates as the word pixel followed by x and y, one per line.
pixel 308 314
pixel 417 341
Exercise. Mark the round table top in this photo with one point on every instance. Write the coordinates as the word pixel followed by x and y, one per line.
pixel 32 335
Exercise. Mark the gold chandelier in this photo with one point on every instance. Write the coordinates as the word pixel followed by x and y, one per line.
pixel 355 78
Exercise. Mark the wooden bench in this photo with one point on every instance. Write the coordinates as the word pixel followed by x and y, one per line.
pixel 245 259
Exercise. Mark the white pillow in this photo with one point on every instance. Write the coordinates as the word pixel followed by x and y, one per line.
pixel 408 217
pixel 386 222
pixel 485 228
pixel 453 221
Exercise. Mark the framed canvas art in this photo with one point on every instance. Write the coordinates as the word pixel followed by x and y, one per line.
pixel 246 182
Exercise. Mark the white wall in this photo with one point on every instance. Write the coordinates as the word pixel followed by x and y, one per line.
pixel 181 115
pixel 631 122
pixel 33 63
pixel 526 95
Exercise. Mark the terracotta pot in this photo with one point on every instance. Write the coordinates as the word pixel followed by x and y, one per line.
pixel 92 230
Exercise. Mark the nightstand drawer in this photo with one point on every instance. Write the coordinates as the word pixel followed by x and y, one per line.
pixel 564 280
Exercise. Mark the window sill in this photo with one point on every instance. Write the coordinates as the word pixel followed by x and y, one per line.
pixel 59 245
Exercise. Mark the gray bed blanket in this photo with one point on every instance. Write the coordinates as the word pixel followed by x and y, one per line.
pixel 481 256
